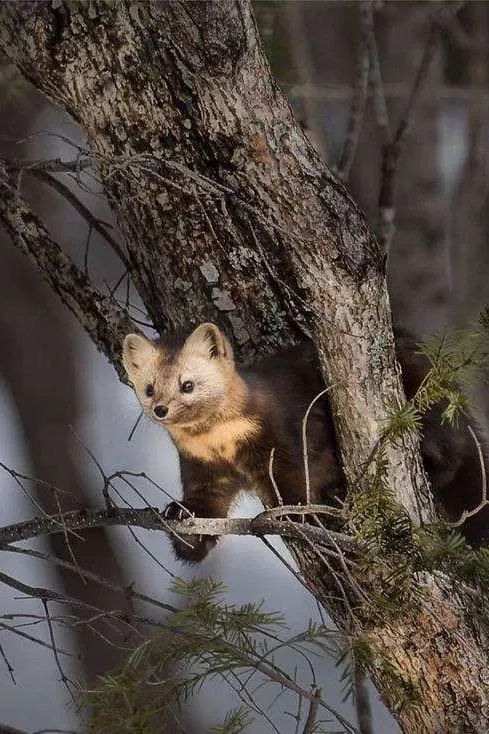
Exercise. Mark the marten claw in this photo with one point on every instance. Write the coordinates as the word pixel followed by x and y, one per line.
pixel 176 511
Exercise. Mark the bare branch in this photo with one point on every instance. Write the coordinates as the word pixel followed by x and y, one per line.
pixel 312 509
pixel 9 666
pixel 360 93
pixel 305 452
pixel 54 165
pixel 31 638
pixel 393 148
pixel 153 519
pixel 42 175
pixel 379 95
pixel 64 678
pixel 484 501
pixel 310 726
pixel 38 592
pixel 105 322
pixel 128 592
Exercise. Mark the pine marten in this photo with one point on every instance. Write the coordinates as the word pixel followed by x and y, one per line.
pixel 226 420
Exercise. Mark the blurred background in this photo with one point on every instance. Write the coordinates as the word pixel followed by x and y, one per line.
pixel 59 396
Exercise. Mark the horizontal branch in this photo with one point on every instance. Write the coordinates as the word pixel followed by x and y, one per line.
pixel 151 518
pixel 53 165
pixel 100 315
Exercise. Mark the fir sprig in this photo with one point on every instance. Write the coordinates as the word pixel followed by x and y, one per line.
pixel 206 639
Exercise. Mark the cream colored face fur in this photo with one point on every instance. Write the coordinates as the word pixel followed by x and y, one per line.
pixel 205 360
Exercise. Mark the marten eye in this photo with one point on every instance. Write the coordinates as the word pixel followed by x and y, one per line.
pixel 187 386
pixel 150 391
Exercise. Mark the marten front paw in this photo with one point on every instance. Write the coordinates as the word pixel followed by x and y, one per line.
pixel 176 511
pixel 193 548
pixel 189 548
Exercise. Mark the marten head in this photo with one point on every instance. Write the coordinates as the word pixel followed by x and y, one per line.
pixel 187 385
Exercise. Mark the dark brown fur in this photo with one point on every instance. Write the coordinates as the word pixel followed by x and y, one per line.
pixel 279 391
pixel 450 455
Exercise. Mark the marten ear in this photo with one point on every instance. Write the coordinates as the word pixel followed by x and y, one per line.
pixel 209 341
pixel 136 353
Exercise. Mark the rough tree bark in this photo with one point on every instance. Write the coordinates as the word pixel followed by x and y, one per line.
pixel 229 215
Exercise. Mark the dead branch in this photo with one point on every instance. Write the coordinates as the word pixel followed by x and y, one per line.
pixel 378 87
pixel 310 725
pixel 128 592
pixel 8 664
pixel 54 165
pixel 67 682
pixel 360 94
pixel 484 501
pixel 153 518
pixel 105 322
pixel 42 175
pixel 128 619
pixel 392 149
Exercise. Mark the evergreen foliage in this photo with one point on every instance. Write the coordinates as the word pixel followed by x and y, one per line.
pixel 206 639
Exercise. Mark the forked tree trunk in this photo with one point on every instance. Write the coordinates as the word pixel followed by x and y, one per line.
pixel 234 219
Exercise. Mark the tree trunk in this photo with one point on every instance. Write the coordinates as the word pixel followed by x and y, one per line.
pixel 228 215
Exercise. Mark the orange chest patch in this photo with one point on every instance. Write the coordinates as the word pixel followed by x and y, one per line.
pixel 221 442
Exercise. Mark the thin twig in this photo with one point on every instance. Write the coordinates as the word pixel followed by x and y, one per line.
pixel 276 512
pixel 136 424
pixel 380 105
pixel 105 322
pixel 484 501
pixel 305 451
pixel 9 666
pixel 31 638
pixel 392 149
pixel 359 98
pixel 272 478
pixel 310 726
pixel 64 678
pixel 93 222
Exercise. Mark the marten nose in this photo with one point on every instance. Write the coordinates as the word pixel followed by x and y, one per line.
pixel 160 411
